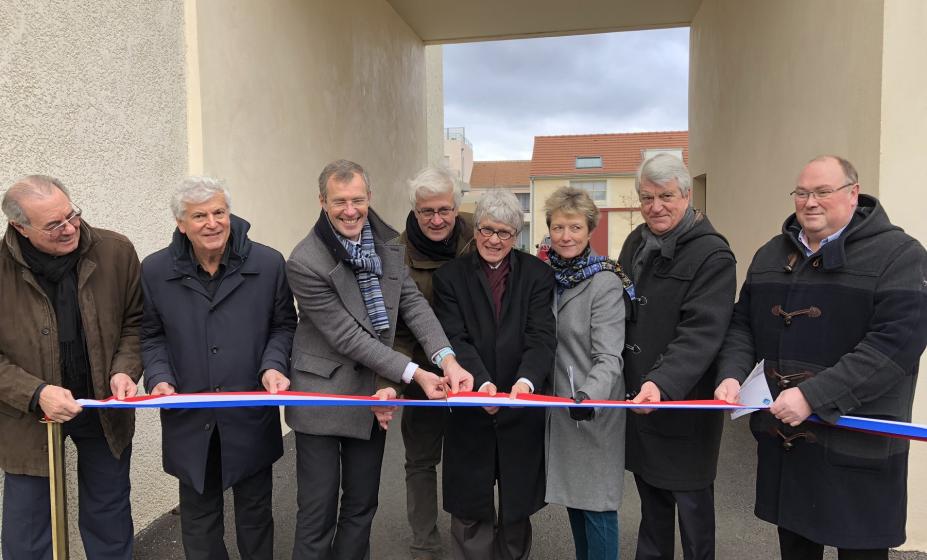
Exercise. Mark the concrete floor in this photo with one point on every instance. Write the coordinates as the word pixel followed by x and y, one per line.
pixel 739 534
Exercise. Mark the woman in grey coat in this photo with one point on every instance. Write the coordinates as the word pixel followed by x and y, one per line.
pixel 585 447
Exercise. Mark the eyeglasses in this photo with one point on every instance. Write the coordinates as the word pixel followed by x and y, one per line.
pixel 503 234
pixel 820 194
pixel 57 230
pixel 355 202
pixel 429 213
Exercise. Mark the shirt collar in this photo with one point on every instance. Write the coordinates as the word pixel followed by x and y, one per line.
pixel 807 248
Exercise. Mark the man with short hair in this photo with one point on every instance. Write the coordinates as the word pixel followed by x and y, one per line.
pixel 72 307
pixel 435 233
pixel 352 288
pixel 836 305
pixel 219 316
pixel 684 281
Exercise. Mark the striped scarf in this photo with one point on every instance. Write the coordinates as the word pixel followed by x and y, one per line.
pixel 570 272
pixel 367 267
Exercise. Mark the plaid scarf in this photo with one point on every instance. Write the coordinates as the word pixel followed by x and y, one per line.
pixel 570 272
pixel 367 267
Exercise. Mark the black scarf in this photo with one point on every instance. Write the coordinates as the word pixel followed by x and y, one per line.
pixel 652 244
pixel 58 278
pixel 433 250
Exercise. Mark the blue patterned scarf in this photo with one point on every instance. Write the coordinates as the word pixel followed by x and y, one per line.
pixel 367 267
pixel 570 272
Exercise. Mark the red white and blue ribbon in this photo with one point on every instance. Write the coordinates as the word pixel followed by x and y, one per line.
pixel 293 398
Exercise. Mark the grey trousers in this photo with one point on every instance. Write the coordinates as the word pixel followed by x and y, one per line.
pixel 423 434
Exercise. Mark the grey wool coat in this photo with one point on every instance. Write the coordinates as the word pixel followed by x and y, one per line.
pixel 585 460
pixel 336 350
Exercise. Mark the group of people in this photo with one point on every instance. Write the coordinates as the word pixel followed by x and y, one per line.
pixel 835 305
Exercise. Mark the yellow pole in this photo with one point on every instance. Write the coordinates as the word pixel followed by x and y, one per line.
pixel 57 491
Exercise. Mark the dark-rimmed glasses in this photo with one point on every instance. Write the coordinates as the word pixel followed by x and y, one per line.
pixel 503 235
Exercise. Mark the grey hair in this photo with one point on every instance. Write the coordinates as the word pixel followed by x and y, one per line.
pixel 851 177
pixel 38 186
pixel 661 169
pixel 342 171
pixel 196 190
pixel 434 181
pixel 499 205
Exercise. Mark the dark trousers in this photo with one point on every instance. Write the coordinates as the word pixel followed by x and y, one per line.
pixel 104 510
pixel 796 547
pixel 422 434
pixel 202 516
pixel 657 535
pixel 325 464
pixel 486 540
pixel 595 534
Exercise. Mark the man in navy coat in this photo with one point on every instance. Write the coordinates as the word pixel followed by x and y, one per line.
pixel 218 316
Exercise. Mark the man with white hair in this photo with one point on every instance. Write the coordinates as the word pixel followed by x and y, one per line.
pixel 71 306
pixel 218 316
pixel 435 233
pixel 684 278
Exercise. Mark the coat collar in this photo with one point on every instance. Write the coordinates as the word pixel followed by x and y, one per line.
pixel 88 238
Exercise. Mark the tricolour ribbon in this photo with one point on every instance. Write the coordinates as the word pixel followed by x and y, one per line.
pixel 294 398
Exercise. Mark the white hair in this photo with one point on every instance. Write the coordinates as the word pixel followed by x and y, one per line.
pixel 661 169
pixel 500 206
pixel 196 190
pixel 431 182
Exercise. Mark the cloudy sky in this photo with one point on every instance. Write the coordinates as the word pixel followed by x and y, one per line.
pixel 506 92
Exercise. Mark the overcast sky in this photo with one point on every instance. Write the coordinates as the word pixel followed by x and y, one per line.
pixel 507 92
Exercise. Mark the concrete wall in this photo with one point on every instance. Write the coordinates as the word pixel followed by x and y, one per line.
pixel 773 84
pixel 94 94
pixel 904 126
pixel 287 86
pixel 434 99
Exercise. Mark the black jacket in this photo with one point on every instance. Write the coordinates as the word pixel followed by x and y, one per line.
pixel 684 300
pixel 521 344
pixel 852 348
pixel 200 345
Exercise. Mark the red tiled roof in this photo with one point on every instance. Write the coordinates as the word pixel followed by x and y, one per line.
pixel 488 174
pixel 621 153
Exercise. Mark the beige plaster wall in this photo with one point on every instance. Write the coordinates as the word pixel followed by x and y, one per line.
pixel 904 126
pixel 434 100
pixel 288 86
pixel 94 94
pixel 773 84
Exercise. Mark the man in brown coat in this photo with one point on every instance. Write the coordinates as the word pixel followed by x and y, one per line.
pixel 72 307
pixel 435 233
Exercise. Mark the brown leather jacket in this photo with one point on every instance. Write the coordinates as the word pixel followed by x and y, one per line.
pixel 110 300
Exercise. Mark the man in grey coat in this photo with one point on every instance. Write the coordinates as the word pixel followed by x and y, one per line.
pixel 351 287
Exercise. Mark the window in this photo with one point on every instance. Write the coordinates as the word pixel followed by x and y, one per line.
pixel 649 153
pixel 525 200
pixel 524 238
pixel 598 190
pixel 587 162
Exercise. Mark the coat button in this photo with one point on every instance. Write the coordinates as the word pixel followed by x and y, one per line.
pixel 214 350
pixel 206 427
pixel 218 388
pixel 45 331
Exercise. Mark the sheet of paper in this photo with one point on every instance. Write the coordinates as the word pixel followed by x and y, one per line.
pixel 754 391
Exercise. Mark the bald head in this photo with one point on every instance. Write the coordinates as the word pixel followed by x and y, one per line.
pixel 30 186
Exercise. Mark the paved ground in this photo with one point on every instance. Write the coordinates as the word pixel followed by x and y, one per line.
pixel 739 536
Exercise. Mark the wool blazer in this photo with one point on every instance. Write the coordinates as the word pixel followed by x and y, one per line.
pixel 336 349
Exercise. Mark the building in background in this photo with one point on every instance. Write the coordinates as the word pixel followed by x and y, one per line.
pixel 458 154
pixel 605 165
pixel 513 176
